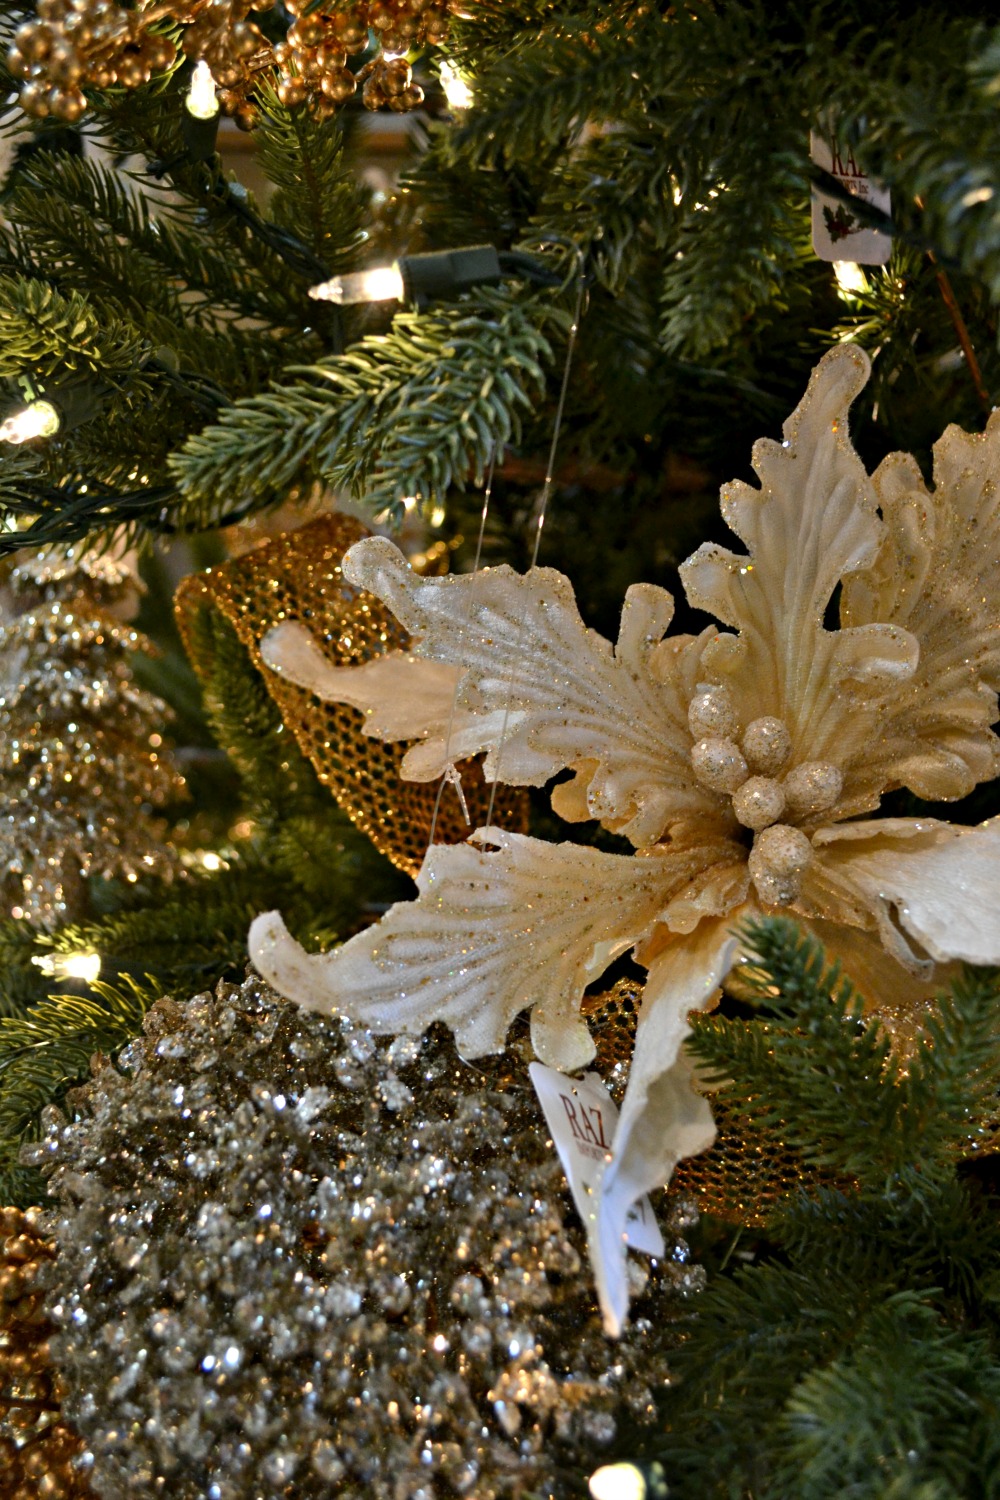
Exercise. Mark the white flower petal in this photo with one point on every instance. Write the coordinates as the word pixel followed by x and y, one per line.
pixel 397 692
pixel 662 1119
pixel 941 882
pixel 883 984
pixel 557 694
pixel 935 576
pixel 493 932
pixel 811 525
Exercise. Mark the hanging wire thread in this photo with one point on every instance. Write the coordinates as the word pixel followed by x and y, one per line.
pixel 539 525
pixel 450 774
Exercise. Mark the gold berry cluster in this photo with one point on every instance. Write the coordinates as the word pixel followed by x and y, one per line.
pixel 70 46
pixel 312 60
pixel 37 1449
pixel 74 45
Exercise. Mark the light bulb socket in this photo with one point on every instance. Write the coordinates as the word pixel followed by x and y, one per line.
pixel 436 276
pixel 75 401
pixel 200 136
pixel 442 274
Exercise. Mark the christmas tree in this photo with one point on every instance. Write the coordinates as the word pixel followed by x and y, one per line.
pixel 80 763
pixel 609 247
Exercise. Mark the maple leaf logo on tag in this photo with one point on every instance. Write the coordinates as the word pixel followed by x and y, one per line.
pixel 837 233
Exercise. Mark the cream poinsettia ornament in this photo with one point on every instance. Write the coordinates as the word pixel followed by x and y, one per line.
pixel 741 764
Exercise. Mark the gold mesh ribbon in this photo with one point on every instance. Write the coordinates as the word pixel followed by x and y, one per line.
pixel 747 1172
pixel 297 576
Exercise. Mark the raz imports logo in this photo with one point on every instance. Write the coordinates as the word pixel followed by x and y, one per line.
pixel 587 1126
pixel 582 1117
pixel 840 233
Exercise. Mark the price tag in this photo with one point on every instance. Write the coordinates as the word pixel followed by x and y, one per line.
pixel 582 1117
pixel 837 233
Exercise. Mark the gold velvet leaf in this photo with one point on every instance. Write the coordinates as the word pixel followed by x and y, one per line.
pixel 297 576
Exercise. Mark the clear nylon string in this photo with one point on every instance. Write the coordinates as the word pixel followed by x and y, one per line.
pixel 450 774
pixel 542 511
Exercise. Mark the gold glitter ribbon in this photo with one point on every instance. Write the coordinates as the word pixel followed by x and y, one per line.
pixel 297 576
pixel 748 1171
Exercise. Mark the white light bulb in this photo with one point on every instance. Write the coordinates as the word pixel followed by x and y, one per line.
pixel 380 284
pixel 202 101
pixel 456 88
pixel 850 277
pixel 40 419
pixel 83 965
pixel 618 1482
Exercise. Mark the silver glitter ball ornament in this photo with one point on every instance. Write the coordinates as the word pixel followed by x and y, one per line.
pixel 299 1260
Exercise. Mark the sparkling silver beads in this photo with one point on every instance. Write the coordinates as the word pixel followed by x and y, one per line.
pixel 299 1260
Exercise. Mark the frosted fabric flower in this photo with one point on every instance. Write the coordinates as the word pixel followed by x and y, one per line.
pixel 740 764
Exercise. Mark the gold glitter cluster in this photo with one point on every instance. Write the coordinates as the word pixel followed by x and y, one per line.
pixel 75 45
pixel 37 1449
pixel 297 576
pixel 82 764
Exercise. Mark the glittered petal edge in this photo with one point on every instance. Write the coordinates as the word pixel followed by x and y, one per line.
pixel 810 526
pixel 401 696
pixel 540 692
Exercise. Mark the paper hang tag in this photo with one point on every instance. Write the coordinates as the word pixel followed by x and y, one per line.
pixel 837 233
pixel 582 1118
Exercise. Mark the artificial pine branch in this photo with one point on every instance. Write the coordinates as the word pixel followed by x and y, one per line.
pixel 548 81
pixel 863 1357
pixel 726 264
pixel 410 412
pixel 45 1052
pixel 813 1050
pixel 934 138
pixel 316 195
pixel 44 332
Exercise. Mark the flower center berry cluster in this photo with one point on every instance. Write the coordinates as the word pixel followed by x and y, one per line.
pixel 749 765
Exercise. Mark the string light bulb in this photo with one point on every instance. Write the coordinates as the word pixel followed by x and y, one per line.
pixel 456 88
pixel 618 1482
pixel 202 101
pixel 200 120
pixel 37 419
pixel 851 279
pixel 85 965
pixel 379 284
pixel 421 279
